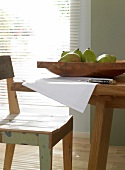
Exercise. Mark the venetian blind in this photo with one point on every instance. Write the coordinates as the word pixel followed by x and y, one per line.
pixel 32 30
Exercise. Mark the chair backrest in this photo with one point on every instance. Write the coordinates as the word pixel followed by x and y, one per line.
pixel 6 72
pixel 6 68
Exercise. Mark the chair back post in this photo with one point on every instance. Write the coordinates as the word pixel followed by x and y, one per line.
pixel 6 72
pixel 12 98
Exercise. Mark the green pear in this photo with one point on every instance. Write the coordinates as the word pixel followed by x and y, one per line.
pixel 88 56
pixel 70 57
pixel 106 58
pixel 77 51
pixel 64 53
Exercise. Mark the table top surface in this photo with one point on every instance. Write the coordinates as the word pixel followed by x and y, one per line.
pixel 117 89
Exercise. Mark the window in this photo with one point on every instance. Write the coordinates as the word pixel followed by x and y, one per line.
pixel 32 30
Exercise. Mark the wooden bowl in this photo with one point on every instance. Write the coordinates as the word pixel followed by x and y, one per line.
pixel 82 69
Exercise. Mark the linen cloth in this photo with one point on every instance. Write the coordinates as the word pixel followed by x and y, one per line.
pixel 73 92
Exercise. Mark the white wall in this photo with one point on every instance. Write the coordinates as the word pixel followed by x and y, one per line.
pixel 81 122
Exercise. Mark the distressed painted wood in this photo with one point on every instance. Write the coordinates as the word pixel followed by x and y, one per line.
pixel 36 124
pixel 45 152
pixel 21 138
pixel 30 129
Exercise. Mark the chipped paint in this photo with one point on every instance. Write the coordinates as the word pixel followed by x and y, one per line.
pixel 8 134
pixel 20 138
pixel 45 152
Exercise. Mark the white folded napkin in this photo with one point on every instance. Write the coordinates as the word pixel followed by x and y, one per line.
pixel 70 91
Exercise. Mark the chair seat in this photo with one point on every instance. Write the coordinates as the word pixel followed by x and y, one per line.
pixel 25 122
pixel 30 125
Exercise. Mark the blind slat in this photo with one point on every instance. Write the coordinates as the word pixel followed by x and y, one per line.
pixel 27 36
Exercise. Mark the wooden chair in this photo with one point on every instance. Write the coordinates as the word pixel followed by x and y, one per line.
pixel 32 129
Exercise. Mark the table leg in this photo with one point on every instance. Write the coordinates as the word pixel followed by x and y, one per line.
pixel 100 136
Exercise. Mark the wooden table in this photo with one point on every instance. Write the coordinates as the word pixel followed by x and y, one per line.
pixel 105 98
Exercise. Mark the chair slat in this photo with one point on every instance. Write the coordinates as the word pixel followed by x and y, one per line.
pixel 6 69
pixel 29 124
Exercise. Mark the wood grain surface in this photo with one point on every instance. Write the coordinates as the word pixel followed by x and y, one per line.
pixel 79 69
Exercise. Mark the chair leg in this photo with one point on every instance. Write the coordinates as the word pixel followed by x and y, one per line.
pixel 9 156
pixel 45 152
pixel 67 151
